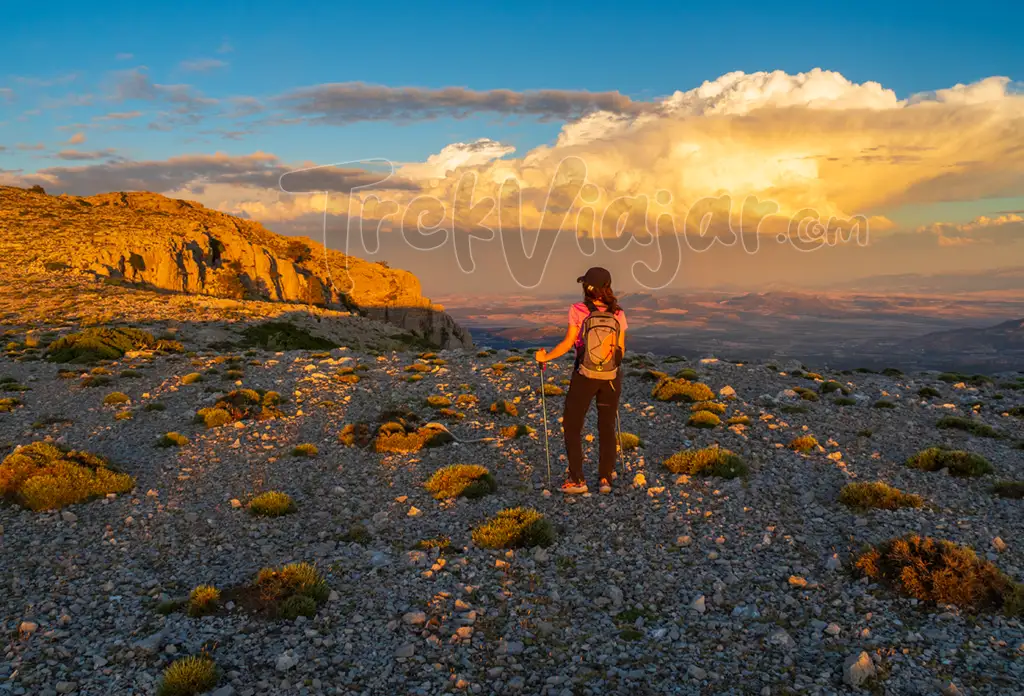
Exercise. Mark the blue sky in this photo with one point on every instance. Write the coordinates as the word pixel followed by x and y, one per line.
pixel 141 95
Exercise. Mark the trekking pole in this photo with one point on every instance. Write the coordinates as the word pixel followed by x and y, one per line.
pixel 544 407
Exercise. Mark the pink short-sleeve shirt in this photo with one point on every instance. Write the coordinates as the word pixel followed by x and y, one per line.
pixel 578 312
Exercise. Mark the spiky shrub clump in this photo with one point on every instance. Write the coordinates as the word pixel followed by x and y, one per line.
pixel 399 438
pixel 514 528
pixel 974 427
pixel 437 401
pixel 940 571
pixel 306 449
pixel 504 408
pixel 41 476
pixel 355 434
pixel 553 390
pixel 830 386
pixel 241 404
pixel 271 504
pixel 172 439
pixel 520 430
pixel 213 417
pixel 192 378
pixel 282 335
pixel 704 419
pixel 883 403
pixel 203 600
pixel 629 441
pixel 298 605
pixel 877 494
pixel 514 359
pixel 709 406
pixel 1009 489
pixel 709 461
pixel 188 676
pixel 688 374
pixel 682 390
pixel 957 462
pixel 465 480
pixel 803 443
pixel 278 584
pixel 8 404
pixel 845 401
pixel 439 542
pixel 739 420
pixel 929 393
pixel 116 399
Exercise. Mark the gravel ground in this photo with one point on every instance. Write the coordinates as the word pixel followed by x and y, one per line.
pixel 669 586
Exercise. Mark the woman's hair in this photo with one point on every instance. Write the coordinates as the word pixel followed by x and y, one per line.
pixel 603 295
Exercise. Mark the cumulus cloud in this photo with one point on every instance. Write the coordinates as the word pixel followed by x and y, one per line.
pixel 76 139
pixel 187 106
pixel 30 147
pixel 124 56
pixel 47 81
pixel 119 116
pixel 202 64
pixel 348 102
pixel 456 155
pixel 6 94
pixel 1006 228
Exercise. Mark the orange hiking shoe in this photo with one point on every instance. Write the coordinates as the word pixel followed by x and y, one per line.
pixel 574 488
pixel 605 487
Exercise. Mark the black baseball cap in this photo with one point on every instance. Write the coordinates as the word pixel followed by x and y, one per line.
pixel 597 277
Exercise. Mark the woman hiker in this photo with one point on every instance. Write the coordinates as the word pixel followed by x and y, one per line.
pixel 597 330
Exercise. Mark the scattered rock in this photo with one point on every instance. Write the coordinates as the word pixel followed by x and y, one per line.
pixel 857 669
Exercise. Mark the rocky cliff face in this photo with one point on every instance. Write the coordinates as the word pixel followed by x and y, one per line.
pixel 182 247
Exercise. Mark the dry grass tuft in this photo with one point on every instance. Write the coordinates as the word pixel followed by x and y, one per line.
pixel 203 600
pixel 189 676
pixel 942 572
pixel 271 504
pixel 878 495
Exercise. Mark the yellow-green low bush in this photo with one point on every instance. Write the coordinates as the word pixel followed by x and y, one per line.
pixel 306 449
pixel 116 399
pixel 192 378
pixel 682 390
pixel 504 407
pixel 465 480
pixel 709 406
pixel 709 461
pixel 629 441
pixel 739 420
pixel 956 462
pixel 203 600
pixel 172 439
pixel 514 528
pixel 41 476
pixel 704 419
pixel 803 443
pixel 520 430
pixel 553 390
pixel 355 435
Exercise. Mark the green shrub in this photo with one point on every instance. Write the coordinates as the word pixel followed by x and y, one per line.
pixel 189 676
pixel 440 542
pixel 709 461
pixel 883 403
pixel 306 449
pixel 130 374
pixel 355 434
pixel 41 476
pixel 1016 411
pixel 845 401
pixel 172 439
pixel 514 359
pixel 95 344
pixel 929 393
pixel 241 404
pixel 942 572
pixel 806 394
pixel 504 408
pixel 283 336
pixel 192 378
pixel 271 504
pixel 629 441
pixel 653 375
pixel 203 600
pixel 704 419
pixel 514 528
pixel 8 404
pixel 974 427
pixel 739 420
pixel 404 438
pixel 418 367
pixel 1009 489
pixel 877 494
pixel 436 401
pixel 465 480
pixel 116 399
pixel 298 605
pixel 155 406
pixel 803 443
pixel 234 374
pixel 951 377
pixel 957 462
pixel 213 417
pixel 892 372
pixel 96 381
pixel 278 584
pixel 829 387
pixel 682 390
pixel 553 390
pixel 466 400
pixel 688 374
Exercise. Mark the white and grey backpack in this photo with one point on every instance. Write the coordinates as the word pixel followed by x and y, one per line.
pixel 598 356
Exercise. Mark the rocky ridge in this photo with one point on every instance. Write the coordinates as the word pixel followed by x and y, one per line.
pixel 176 246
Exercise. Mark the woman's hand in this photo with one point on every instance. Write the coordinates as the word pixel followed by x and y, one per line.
pixel 541 355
